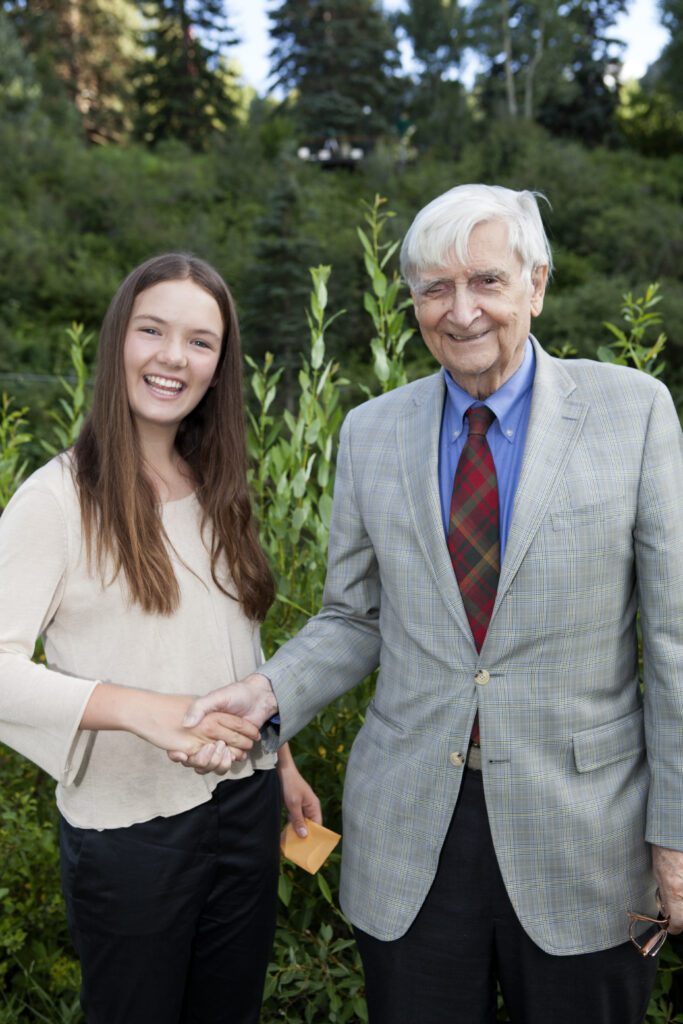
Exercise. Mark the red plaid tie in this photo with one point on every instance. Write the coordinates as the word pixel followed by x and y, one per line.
pixel 473 530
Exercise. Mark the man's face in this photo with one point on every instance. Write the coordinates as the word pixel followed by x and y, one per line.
pixel 475 317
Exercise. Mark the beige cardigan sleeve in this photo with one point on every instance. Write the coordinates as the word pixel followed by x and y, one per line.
pixel 40 709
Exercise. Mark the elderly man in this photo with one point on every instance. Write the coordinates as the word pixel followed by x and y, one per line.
pixel 496 529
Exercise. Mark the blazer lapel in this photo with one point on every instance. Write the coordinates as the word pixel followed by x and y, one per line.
pixel 418 430
pixel 555 423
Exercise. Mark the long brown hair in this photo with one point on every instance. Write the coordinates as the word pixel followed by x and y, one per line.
pixel 119 506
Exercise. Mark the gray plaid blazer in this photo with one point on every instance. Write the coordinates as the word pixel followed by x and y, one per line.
pixel 580 767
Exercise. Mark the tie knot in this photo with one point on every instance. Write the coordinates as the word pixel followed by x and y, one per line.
pixel 480 419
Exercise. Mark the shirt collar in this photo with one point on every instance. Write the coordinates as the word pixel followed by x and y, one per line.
pixel 507 402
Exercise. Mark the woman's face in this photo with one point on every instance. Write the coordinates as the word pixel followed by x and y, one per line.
pixel 171 353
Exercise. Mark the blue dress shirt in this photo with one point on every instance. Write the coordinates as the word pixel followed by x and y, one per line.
pixel 506 437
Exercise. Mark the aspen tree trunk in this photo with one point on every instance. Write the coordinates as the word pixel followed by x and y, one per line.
pixel 507 50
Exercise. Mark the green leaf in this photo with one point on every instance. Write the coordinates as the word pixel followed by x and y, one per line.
pixel 389 253
pixel 299 517
pixel 364 241
pixel 299 484
pixel 379 283
pixel 327 894
pixel 381 364
pixel 370 306
pixel 284 889
pixel 312 433
pixel 361 1009
pixel 317 352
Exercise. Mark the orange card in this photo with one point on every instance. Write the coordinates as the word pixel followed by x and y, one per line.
pixel 312 852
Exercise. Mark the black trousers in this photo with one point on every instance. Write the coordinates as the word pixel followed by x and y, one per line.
pixel 466 935
pixel 173 919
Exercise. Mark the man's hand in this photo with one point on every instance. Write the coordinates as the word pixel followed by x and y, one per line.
pixel 252 699
pixel 156 717
pixel 299 798
pixel 668 871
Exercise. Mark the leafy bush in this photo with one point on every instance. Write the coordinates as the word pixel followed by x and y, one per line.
pixel 315 975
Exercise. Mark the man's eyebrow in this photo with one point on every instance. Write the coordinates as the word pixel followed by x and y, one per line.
pixel 492 272
pixel 429 282
pixel 160 320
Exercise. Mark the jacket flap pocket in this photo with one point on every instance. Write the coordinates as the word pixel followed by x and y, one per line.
pixel 605 744
pixel 582 515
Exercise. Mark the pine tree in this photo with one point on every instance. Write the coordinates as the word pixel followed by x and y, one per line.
pixel 340 57
pixel 279 281
pixel 184 85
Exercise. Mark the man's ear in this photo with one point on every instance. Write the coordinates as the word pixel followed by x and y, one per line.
pixel 539 280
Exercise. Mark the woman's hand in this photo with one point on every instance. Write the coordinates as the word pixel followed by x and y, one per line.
pixel 299 798
pixel 157 718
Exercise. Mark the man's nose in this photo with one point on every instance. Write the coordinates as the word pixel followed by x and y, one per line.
pixel 463 309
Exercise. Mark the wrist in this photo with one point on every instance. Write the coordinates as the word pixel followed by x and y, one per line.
pixel 148 713
pixel 265 696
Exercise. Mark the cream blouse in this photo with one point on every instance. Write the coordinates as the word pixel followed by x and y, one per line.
pixel 93 633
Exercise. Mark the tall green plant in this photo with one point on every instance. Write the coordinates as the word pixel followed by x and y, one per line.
pixel 67 419
pixel 383 302
pixel 631 348
pixel 13 440
pixel 293 458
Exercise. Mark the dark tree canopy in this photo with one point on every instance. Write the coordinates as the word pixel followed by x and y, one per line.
pixel 553 63
pixel 339 56
pixel 666 74
pixel 82 52
pixel 183 86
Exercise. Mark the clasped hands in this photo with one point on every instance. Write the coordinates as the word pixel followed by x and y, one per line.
pixel 228 720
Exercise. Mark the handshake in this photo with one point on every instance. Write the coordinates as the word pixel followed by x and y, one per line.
pixel 223 725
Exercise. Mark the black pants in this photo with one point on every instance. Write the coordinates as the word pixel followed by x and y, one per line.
pixel 466 935
pixel 173 919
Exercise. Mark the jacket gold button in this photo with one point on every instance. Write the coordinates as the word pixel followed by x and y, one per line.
pixel 456 759
pixel 481 677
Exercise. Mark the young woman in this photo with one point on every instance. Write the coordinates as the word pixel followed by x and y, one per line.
pixel 135 556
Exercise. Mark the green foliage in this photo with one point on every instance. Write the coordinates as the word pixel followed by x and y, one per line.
pixel 630 349
pixel 19 92
pixel 13 440
pixel 82 55
pixel 555 65
pixel 293 475
pixel 278 280
pixel 67 419
pixel 316 974
pixel 338 56
pixel 184 89
pixel 36 963
pixel 382 303
pixel 650 120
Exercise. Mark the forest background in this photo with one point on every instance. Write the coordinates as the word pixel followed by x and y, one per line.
pixel 125 130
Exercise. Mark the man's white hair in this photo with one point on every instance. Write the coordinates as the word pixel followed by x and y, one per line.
pixel 442 229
